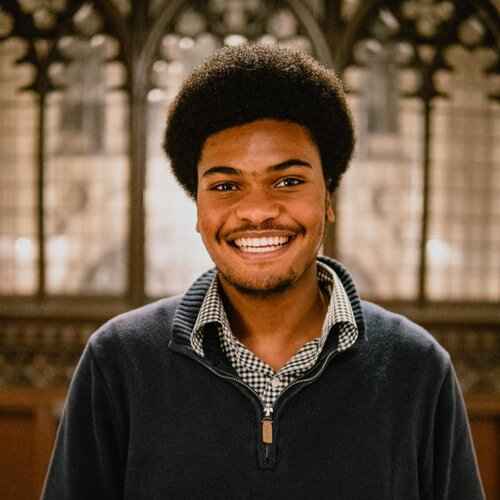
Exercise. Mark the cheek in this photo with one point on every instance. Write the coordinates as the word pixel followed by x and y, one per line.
pixel 204 225
pixel 210 220
pixel 202 219
pixel 310 214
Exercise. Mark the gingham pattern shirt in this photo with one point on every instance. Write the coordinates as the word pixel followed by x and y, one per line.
pixel 257 374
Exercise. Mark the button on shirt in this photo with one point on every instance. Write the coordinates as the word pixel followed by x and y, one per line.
pixel 257 374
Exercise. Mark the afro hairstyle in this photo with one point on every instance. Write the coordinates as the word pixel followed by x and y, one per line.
pixel 242 84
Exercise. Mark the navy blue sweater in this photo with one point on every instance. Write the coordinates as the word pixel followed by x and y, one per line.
pixel 146 418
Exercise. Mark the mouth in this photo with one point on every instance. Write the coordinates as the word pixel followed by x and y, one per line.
pixel 262 245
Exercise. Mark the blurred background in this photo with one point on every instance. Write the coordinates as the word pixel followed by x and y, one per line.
pixel 92 222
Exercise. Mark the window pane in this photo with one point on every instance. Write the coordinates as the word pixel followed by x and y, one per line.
pixel 463 250
pixel 18 131
pixel 379 200
pixel 87 165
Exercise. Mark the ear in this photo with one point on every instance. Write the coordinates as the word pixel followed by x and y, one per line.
pixel 330 214
pixel 197 226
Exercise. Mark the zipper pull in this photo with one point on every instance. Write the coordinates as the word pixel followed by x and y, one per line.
pixel 267 426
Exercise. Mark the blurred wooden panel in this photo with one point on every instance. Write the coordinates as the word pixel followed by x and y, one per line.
pixel 484 414
pixel 486 432
pixel 28 420
pixel 16 457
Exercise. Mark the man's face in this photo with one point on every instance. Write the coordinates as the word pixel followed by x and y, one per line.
pixel 262 205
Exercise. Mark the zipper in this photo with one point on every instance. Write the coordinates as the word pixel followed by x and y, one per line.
pixel 220 374
pixel 267 431
pixel 267 421
pixel 267 411
pixel 312 377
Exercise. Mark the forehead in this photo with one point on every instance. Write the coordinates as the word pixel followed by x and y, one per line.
pixel 262 142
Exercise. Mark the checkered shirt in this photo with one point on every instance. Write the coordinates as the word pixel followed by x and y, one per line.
pixel 257 374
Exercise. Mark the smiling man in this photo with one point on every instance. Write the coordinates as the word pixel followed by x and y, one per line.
pixel 270 377
pixel 262 206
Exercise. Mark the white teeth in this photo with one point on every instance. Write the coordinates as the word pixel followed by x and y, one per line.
pixel 261 245
pixel 260 249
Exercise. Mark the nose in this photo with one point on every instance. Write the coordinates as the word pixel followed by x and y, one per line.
pixel 257 207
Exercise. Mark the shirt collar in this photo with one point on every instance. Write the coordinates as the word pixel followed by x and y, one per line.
pixel 339 311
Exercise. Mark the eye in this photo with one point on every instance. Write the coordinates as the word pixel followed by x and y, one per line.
pixel 224 187
pixel 289 182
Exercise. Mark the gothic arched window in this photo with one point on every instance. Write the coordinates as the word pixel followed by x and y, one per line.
pixel 88 206
pixel 64 152
pixel 418 211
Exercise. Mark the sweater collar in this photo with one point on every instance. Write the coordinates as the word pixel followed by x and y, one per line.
pixel 190 304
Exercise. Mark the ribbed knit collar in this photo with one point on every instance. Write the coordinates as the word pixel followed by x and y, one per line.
pixel 189 306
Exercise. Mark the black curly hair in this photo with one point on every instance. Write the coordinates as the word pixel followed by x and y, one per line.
pixel 239 85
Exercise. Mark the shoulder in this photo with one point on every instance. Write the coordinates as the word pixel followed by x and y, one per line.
pixel 149 325
pixel 402 338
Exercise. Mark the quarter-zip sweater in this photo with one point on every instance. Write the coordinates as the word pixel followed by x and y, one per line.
pixel 148 418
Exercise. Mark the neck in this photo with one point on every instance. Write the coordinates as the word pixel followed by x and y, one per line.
pixel 276 325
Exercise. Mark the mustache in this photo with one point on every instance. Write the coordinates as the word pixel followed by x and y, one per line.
pixel 265 226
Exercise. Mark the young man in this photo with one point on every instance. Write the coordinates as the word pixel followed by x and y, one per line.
pixel 269 378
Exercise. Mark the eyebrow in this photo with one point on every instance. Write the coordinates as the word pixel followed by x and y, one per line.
pixel 222 169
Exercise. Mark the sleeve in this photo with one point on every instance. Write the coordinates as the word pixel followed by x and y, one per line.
pixel 456 473
pixel 86 460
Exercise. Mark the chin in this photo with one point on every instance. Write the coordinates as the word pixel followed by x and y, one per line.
pixel 266 286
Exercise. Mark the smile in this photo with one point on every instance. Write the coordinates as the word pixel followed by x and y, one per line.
pixel 262 245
